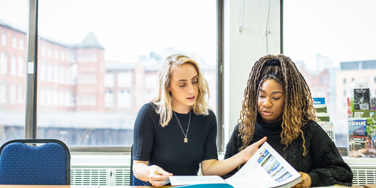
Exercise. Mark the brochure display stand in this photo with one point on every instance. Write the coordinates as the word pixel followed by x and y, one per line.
pixel 323 116
pixel 361 121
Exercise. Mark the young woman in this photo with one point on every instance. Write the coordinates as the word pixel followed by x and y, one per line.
pixel 278 104
pixel 176 132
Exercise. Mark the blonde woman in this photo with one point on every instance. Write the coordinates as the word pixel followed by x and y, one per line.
pixel 176 131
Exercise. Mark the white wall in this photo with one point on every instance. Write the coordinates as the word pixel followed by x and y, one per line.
pixel 241 50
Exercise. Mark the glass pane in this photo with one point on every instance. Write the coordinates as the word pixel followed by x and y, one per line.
pixel 13 56
pixel 333 44
pixel 99 60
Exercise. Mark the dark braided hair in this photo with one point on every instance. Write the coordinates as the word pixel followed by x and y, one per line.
pixel 298 101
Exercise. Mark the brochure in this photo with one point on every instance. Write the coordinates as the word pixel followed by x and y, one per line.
pixel 361 142
pixel 266 168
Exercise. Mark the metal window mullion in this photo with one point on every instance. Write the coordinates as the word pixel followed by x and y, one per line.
pixel 220 75
pixel 31 73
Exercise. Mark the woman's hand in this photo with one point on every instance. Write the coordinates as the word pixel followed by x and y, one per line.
pixel 251 150
pixel 306 181
pixel 158 177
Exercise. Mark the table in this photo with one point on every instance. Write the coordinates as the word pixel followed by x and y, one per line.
pixel 97 186
pixel 74 186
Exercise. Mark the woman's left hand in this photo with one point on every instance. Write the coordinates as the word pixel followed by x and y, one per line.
pixel 306 181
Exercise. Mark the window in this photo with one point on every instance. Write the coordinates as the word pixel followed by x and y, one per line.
pixel 13 93
pixel 124 79
pixel 109 80
pixel 20 95
pixel 13 65
pixel 14 42
pixel 42 70
pixel 20 66
pixel 318 43
pixel 3 62
pixel 151 81
pixel 13 21
pixel 21 44
pixel 124 99
pixel 4 39
pixel 109 99
pixel 81 57
pixel 43 51
pixel 3 93
pixel 56 54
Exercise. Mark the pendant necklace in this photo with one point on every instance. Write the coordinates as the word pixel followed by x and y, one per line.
pixel 185 134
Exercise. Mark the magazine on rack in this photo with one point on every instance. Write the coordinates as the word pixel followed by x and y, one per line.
pixel 266 168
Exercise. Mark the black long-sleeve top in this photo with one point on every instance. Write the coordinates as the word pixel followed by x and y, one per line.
pixel 322 163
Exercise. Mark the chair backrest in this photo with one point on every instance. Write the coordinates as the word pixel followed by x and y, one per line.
pixel 133 180
pixel 47 164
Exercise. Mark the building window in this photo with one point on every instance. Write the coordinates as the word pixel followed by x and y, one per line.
pixel 87 100
pixel 56 73
pixel 87 79
pixel 3 63
pixel 124 99
pixel 43 51
pixel 56 54
pixel 344 81
pixel 151 81
pixel 109 99
pixel 352 80
pixel 20 66
pixel 13 65
pixel 374 80
pixel 20 95
pixel 62 56
pixel 344 93
pixel 13 93
pixel 49 52
pixel 42 96
pixel 21 44
pixel 42 70
pixel 62 74
pixel 3 93
pixel 14 42
pixel 109 80
pixel 4 39
pixel 124 79
pixel 62 97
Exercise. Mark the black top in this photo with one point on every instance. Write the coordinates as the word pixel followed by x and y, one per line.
pixel 323 163
pixel 165 147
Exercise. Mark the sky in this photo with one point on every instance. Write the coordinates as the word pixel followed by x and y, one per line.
pixel 343 30
pixel 125 28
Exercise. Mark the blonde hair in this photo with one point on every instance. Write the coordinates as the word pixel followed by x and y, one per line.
pixel 163 100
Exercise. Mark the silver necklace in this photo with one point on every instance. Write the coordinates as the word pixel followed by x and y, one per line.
pixel 189 122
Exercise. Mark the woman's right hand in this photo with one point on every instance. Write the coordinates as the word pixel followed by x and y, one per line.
pixel 251 150
pixel 158 177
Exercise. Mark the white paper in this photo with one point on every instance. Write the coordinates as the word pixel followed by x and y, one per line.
pixel 189 180
pixel 266 168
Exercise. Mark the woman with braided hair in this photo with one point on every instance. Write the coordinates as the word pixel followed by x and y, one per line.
pixel 278 105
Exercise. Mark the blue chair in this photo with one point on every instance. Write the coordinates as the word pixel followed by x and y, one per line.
pixel 133 180
pixel 47 164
